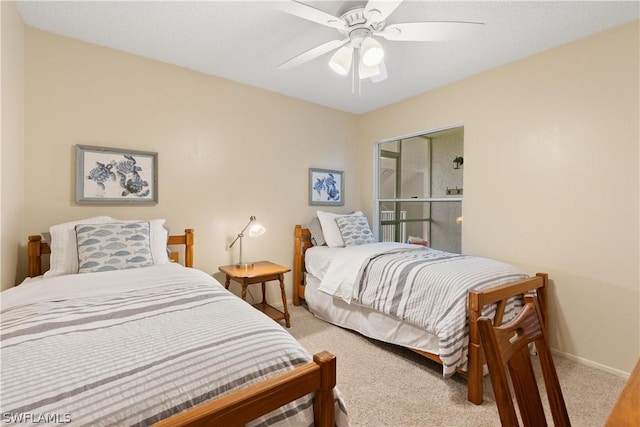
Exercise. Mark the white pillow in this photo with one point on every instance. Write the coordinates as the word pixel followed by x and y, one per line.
pixel 64 249
pixel 330 229
pixel 317 239
pixel 158 241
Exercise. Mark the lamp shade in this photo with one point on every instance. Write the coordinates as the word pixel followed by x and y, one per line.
pixel 340 62
pixel 366 72
pixel 256 230
pixel 372 53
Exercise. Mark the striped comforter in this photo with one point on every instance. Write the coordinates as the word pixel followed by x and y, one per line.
pixel 424 287
pixel 133 347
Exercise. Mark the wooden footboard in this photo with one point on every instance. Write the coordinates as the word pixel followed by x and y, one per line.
pixel 240 407
pixel 36 248
pixel 532 287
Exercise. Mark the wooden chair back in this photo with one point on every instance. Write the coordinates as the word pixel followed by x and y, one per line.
pixel 507 347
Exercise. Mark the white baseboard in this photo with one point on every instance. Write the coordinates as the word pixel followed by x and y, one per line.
pixel 593 364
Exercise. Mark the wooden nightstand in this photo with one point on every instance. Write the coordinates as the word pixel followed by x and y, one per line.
pixel 261 272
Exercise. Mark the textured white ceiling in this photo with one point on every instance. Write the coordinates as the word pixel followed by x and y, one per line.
pixel 245 41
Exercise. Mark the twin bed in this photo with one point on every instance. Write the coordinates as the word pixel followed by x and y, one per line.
pixel 416 297
pixel 159 344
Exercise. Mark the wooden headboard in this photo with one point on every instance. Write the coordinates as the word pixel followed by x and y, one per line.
pixel 302 243
pixel 36 248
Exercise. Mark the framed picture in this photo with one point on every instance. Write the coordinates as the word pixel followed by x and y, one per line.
pixel 326 187
pixel 116 176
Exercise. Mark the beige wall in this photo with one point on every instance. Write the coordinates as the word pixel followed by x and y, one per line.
pixel 551 180
pixel 226 150
pixel 11 145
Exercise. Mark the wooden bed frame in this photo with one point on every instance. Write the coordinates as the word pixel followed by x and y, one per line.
pixel 242 406
pixel 533 287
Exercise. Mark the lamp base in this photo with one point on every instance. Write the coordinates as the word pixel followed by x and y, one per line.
pixel 244 265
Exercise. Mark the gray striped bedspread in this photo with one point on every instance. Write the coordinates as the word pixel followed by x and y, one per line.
pixel 425 287
pixel 133 347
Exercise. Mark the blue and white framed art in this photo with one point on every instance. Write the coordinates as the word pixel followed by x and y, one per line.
pixel 326 187
pixel 116 176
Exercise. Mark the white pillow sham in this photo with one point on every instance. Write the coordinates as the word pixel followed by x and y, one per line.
pixel 64 249
pixel 330 230
pixel 317 239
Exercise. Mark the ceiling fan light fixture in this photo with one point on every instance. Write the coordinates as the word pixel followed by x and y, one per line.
pixel 365 71
pixel 372 53
pixel 340 62
pixel 359 51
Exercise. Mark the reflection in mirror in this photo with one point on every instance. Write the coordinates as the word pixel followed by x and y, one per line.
pixel 421 169
pixel 387 178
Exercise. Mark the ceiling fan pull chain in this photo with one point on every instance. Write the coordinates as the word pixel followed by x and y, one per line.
pixel 359 81
pixel 357 71
pixel 353 71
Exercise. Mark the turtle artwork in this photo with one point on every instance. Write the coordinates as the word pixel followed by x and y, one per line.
pixel 101 173
pixel 106 175
pixel 327 186
pixel 135 186
pixel 129 177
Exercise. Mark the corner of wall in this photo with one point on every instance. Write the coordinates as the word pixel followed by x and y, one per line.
pixel 11 142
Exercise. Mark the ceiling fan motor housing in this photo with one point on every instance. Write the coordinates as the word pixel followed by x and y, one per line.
pixel 359 26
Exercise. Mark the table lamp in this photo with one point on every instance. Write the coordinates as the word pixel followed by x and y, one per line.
pixel 255 231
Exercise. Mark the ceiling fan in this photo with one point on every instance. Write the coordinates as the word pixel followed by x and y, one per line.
pixel 359 27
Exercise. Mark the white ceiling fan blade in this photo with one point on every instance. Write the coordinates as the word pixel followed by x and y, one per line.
pixel 312 54
pixel 312 14
pixel 431 31
pixel 379 10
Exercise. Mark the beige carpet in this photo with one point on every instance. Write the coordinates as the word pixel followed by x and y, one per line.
pixel 385 385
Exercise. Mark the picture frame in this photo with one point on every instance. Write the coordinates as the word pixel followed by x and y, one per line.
pixel 116 176
pixel 326 187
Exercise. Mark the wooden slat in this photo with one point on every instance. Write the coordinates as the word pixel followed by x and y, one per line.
pixel 187 239
pixel 506 348
pixel 242 406
pixel 499 293
pixel 35 249
pixel 302 242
